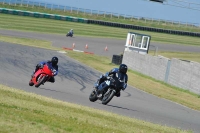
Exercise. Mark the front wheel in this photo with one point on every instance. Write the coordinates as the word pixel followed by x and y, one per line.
pixel 31 83
pixel 108 96
pixel 41 81
pixel 93 96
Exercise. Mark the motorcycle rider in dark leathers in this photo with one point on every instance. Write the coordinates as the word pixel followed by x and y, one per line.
pixel 119 73
pixel 53 62
pixel 71 32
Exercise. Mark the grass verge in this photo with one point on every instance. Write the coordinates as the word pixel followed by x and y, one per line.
pixel 27 112
pixel 179 55
pixel 107 17
pixel 26 41
pixel 62 27
pixel 140 81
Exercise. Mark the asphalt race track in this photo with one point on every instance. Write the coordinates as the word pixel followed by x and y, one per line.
pixel 95 45
pixel 75 80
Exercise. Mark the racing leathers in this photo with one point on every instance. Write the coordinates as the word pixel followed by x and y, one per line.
pixel 115 74
pixel 71 32
pixel 41 64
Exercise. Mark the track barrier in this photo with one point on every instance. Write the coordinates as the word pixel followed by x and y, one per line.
pixel 87 21
pixel 67 48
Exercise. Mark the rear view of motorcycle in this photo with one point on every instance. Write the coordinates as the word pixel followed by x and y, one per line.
pixel 69 34
pixel 106 90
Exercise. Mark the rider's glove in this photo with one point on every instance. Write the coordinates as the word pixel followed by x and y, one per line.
pixel 108 77
pixel 124 87
pixel 106 74
pixel 41 65
pixel 54 72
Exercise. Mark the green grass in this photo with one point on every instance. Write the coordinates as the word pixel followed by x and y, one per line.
pixel 36 115
pixel 26 112
pixel 29 42
pixel 134 21
pixel 46 44
pixel 62 27
pixel 136 79
pixel 179 55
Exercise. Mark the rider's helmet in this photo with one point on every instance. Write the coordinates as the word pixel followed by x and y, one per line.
pixel 54 61
pixel 123 68
pixel 71 29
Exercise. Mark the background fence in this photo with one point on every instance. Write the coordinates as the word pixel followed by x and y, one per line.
pixel 42 15
pixel 104 14
pixel 83 20
pixel 182 74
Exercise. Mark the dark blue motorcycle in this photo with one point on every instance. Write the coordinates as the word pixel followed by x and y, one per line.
pixel 69 34
pixel 113 87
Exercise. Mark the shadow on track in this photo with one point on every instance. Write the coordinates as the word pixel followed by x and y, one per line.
pixel 119 107
pixel 53 90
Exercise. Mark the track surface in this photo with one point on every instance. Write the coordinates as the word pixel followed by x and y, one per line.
pixel 74 84
pixel 95 45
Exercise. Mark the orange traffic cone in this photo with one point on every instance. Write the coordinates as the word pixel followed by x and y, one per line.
pixel 73 45
pixel 106 48
pixel 86 46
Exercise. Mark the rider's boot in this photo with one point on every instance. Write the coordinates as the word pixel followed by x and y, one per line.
pixel 117 94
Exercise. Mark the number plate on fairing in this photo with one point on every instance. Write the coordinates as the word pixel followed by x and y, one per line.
pixel 107 82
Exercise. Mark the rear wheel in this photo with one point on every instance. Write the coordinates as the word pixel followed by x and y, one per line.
pixel 108 96
pixel 93 96
pixel 41 81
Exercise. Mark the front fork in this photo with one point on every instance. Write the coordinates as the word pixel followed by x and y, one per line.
pixel 102 87
pixel 109 91
pixel 45 79
pixel 99 81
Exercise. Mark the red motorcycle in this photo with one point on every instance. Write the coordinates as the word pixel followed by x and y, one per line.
pixel 42 75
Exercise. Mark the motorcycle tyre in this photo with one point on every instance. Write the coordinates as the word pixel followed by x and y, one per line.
pixel 106 99
pixel 31 83
pixel 93 96
pixel 40 82
pixel 69 35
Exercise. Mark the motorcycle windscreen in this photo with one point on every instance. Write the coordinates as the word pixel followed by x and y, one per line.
pixel 49 70
pixel 50 66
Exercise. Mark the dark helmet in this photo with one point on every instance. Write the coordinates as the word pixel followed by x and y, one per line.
pixel 123 68
pixel 54 61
